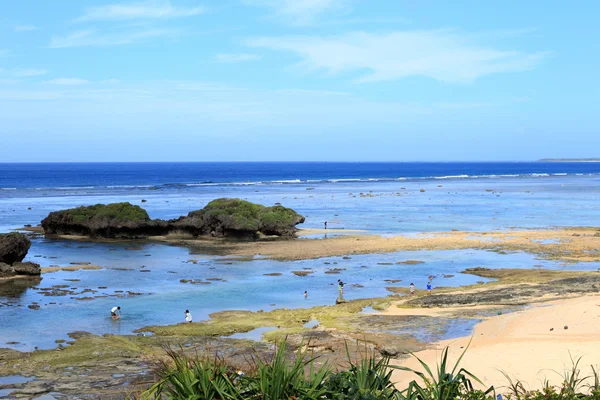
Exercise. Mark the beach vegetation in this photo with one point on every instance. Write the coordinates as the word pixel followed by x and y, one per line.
pixel 369 377
pixel 302 377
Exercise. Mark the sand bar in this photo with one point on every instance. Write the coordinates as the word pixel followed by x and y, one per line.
pixel 567 244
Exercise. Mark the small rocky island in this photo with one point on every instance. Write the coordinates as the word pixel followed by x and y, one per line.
pixel 13 249
pixel 220 218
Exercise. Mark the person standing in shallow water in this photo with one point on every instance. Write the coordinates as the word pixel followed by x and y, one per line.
pixel 188 316
pixel 305 294
pixel 341 287
pixel 115 311
pixel 325 224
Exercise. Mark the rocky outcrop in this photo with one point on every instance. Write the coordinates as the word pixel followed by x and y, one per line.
pixel 13 249
pixel 114 221
pixel 21 269
pixel 235 217
pixel 220 218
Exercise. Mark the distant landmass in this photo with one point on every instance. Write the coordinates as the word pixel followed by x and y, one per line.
pixel 569 160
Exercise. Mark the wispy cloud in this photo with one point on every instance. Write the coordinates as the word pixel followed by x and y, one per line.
pixel 26 72
pixel 235 58
pixel 92 37
pixel 300 12
pixel 68 81
pixel 25 28
pixel 443 55
pixel 152 9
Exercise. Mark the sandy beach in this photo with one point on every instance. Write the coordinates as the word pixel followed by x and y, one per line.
pixel 532 345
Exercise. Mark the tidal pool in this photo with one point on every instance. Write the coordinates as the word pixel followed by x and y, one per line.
pixel 155 283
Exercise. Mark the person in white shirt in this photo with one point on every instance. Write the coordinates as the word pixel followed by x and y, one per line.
pixel 188 316
pixel 115 311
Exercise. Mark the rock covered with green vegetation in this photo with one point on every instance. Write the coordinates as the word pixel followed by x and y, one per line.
pixel 235 217
pixel 115 221
pixel 220 218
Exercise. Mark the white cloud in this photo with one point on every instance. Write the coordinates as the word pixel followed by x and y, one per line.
pixel 29 72
pixel 300 12
pixel 91 37
pixel 68 81
pixel 446 56
pixel 151 9
pixel 235 58
pixel 25 28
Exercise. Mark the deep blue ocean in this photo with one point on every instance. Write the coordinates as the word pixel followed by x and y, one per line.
pixel 89 176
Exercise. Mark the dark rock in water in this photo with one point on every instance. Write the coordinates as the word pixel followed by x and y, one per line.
pixel 19 269
pixel 13 247
pixel 302 273
pixel 221 218
pixel 26 268
pixel 566 327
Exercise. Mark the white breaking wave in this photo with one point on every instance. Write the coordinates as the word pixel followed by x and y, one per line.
pixel 451 177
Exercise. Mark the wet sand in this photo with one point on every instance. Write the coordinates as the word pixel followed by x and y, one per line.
pixel 532 345
pixel 576 244
pixel 570 244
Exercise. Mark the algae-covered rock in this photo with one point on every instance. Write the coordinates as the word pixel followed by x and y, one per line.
pixel 117 220
pixel 220 218
pixel 235 217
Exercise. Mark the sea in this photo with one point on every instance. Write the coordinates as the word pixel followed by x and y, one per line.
pixel 384 198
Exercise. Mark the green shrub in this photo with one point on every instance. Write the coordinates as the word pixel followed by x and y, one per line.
pixel 280 379
pixel 193 378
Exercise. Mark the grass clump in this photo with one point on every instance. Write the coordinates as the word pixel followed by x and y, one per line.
pixel 117 211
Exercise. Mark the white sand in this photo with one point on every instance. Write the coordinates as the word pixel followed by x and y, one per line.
pixel 522 344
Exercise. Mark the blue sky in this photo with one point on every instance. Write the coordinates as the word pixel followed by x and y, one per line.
pixel 339 80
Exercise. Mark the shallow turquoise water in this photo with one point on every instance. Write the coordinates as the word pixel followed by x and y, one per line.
pixel 163 298
pixel 464 205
